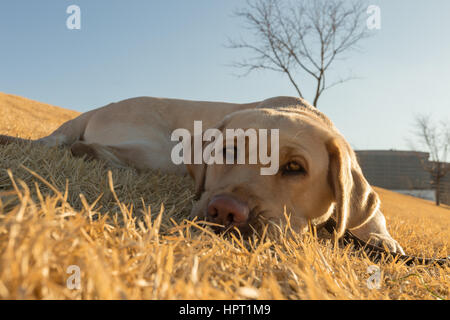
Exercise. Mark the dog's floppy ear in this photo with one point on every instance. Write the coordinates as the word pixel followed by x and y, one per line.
pixel 198 173
pixel 356 201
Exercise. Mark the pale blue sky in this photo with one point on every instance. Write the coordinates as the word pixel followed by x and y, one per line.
pixel 175 48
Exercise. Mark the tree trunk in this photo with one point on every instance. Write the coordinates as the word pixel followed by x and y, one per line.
pixel 438 202
pixel 438 184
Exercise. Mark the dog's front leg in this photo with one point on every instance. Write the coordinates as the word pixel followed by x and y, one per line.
pixel 375 232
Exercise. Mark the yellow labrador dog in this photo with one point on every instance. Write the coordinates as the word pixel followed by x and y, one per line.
pixel 318 175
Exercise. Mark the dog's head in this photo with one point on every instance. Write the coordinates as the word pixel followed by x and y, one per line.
pixel 318 175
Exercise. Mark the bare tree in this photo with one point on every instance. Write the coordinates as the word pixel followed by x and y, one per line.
pixel 435 137
pixel 305 36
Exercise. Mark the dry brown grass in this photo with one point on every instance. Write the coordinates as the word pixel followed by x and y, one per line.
pixel 57 211
pixel 30 119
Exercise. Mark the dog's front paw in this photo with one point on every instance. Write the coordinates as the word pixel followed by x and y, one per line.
pixel 385 241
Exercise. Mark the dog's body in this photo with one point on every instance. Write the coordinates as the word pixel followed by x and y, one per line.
pixel 323 177
pixel 137 131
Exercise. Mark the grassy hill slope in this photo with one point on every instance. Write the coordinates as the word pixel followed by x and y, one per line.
pixel 27 118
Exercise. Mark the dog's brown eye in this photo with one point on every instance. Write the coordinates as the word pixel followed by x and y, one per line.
pixel 293 168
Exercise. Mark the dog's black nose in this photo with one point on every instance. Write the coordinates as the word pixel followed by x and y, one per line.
pixel 227 210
